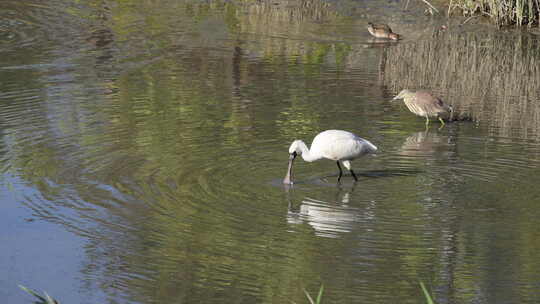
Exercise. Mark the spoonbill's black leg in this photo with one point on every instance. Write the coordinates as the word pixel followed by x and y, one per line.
pixel 340 171
pixel 354 176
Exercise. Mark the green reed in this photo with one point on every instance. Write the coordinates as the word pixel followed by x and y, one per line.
pixel 427 296
pixel 319 296
pixel 46 299
pixel 429 300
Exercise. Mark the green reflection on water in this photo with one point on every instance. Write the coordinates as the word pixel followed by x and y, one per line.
pixel 167 164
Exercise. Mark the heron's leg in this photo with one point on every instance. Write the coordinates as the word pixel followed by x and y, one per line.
pixel 427 120
pixel 354 175
pixel 441 120
pixel 340 171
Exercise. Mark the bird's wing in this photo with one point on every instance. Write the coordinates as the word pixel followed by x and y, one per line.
pixel 439 102
pixel 425 97
pixel 346 148
pixel 431 103
pixel 382 26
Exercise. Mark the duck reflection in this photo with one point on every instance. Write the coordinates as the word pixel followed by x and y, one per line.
pixel 101 38
pixel 380 42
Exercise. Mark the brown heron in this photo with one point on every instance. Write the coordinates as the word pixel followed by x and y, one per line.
pixel 423 103
pixel 338 145
pixel 381 31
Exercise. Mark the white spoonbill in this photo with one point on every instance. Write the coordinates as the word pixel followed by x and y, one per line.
pixel 338 145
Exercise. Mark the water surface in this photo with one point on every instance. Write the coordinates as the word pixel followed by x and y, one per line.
pixel 143 147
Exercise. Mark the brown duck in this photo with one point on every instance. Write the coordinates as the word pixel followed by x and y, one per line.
pixel 382 31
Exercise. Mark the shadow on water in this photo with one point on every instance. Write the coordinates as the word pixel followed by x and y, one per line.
pixel 330 180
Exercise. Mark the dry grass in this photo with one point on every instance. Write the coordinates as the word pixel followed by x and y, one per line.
pixel 503 12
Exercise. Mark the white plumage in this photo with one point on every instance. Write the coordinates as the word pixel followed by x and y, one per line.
pixel 340 146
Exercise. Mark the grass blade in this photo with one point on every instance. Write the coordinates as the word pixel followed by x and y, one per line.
pixel 42 300
pixel 32 292
pixel 426 294
pixel 50 300
pixel 319 297
pixel 309 297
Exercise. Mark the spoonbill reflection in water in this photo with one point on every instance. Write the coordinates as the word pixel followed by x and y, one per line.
pixel 338 145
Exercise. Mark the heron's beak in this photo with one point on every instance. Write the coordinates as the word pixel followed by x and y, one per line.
pixel 395 98
pixel 288 177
